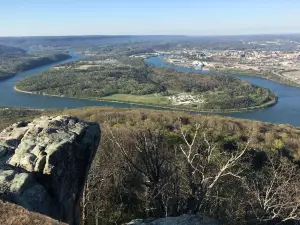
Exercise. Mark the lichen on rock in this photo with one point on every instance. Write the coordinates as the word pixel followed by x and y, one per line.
pixel 44 164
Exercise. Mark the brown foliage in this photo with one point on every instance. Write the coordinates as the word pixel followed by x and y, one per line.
pixel 161 163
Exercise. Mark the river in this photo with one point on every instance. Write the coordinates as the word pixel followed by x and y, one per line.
pixel 287 110
pixel 12 98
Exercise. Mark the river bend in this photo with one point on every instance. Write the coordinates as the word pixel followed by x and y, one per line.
pixel 287 110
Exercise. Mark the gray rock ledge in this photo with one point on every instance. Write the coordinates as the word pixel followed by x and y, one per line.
pixel 44 164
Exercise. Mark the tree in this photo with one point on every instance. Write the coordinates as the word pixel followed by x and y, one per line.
pixel 205 164
pixel 146 154
pixel 274 193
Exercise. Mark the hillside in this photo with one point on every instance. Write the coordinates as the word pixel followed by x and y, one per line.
pixel 129 80
pixel 8 50
pixel 142 166
pixel 6 53
pixel 263 135
pixel 15 60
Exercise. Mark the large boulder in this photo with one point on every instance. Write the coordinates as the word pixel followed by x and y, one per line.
pixel 180 220
pixel 44 164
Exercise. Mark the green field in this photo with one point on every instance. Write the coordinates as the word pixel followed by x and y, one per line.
pixel 152 99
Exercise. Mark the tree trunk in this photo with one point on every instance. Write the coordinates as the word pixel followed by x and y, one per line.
pixel 84 203
pixel 97 218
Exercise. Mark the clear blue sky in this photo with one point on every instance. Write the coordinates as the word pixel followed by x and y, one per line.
pixel 188 17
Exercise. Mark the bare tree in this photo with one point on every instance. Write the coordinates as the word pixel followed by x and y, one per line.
pixel 146 154
pixel 274 192
pixel 96 199
pixel 206 164
pixel 84 203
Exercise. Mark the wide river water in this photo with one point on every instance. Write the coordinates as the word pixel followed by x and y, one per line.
pixel 287 110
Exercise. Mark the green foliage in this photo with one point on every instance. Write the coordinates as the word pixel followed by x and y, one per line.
pixel 33 62
pixel 95 80
pixel 14 60
pixel 11 51
pixel 219 91
pixel 278 144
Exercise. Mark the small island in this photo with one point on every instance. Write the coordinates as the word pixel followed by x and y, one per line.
pixel 131 80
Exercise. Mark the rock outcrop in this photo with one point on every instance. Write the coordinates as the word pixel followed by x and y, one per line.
pixel 180 220
pixel 44 164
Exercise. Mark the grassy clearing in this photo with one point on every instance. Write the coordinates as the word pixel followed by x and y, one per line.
pixel 153 99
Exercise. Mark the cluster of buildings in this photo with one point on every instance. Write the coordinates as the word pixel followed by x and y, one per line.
pixel 279 63
pixel 185 99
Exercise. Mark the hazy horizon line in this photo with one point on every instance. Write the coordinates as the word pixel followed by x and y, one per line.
pixel 137 35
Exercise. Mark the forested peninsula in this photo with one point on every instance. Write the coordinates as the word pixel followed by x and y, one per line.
pixel 130 80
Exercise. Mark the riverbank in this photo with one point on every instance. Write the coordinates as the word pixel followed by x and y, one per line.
pixel 286 111
pixel 35 63
pixel 232 72
pixel 253 74
pixel 6 76
pixel 266 105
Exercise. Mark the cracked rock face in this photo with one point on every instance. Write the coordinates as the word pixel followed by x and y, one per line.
pixel 44 164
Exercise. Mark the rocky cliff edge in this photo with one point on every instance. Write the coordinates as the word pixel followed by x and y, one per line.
pixel 44 164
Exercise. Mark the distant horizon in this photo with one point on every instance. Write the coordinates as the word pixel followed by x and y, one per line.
pixel 158 35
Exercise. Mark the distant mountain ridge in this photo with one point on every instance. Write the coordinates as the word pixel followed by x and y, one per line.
pixel 8 50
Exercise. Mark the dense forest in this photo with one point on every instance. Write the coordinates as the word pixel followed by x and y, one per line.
pixel 14 60
pixel 220 92
pixel 11 51
pixel 154 164
pixel 96 79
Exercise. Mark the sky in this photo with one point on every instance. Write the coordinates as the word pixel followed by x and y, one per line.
pixel 148 17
